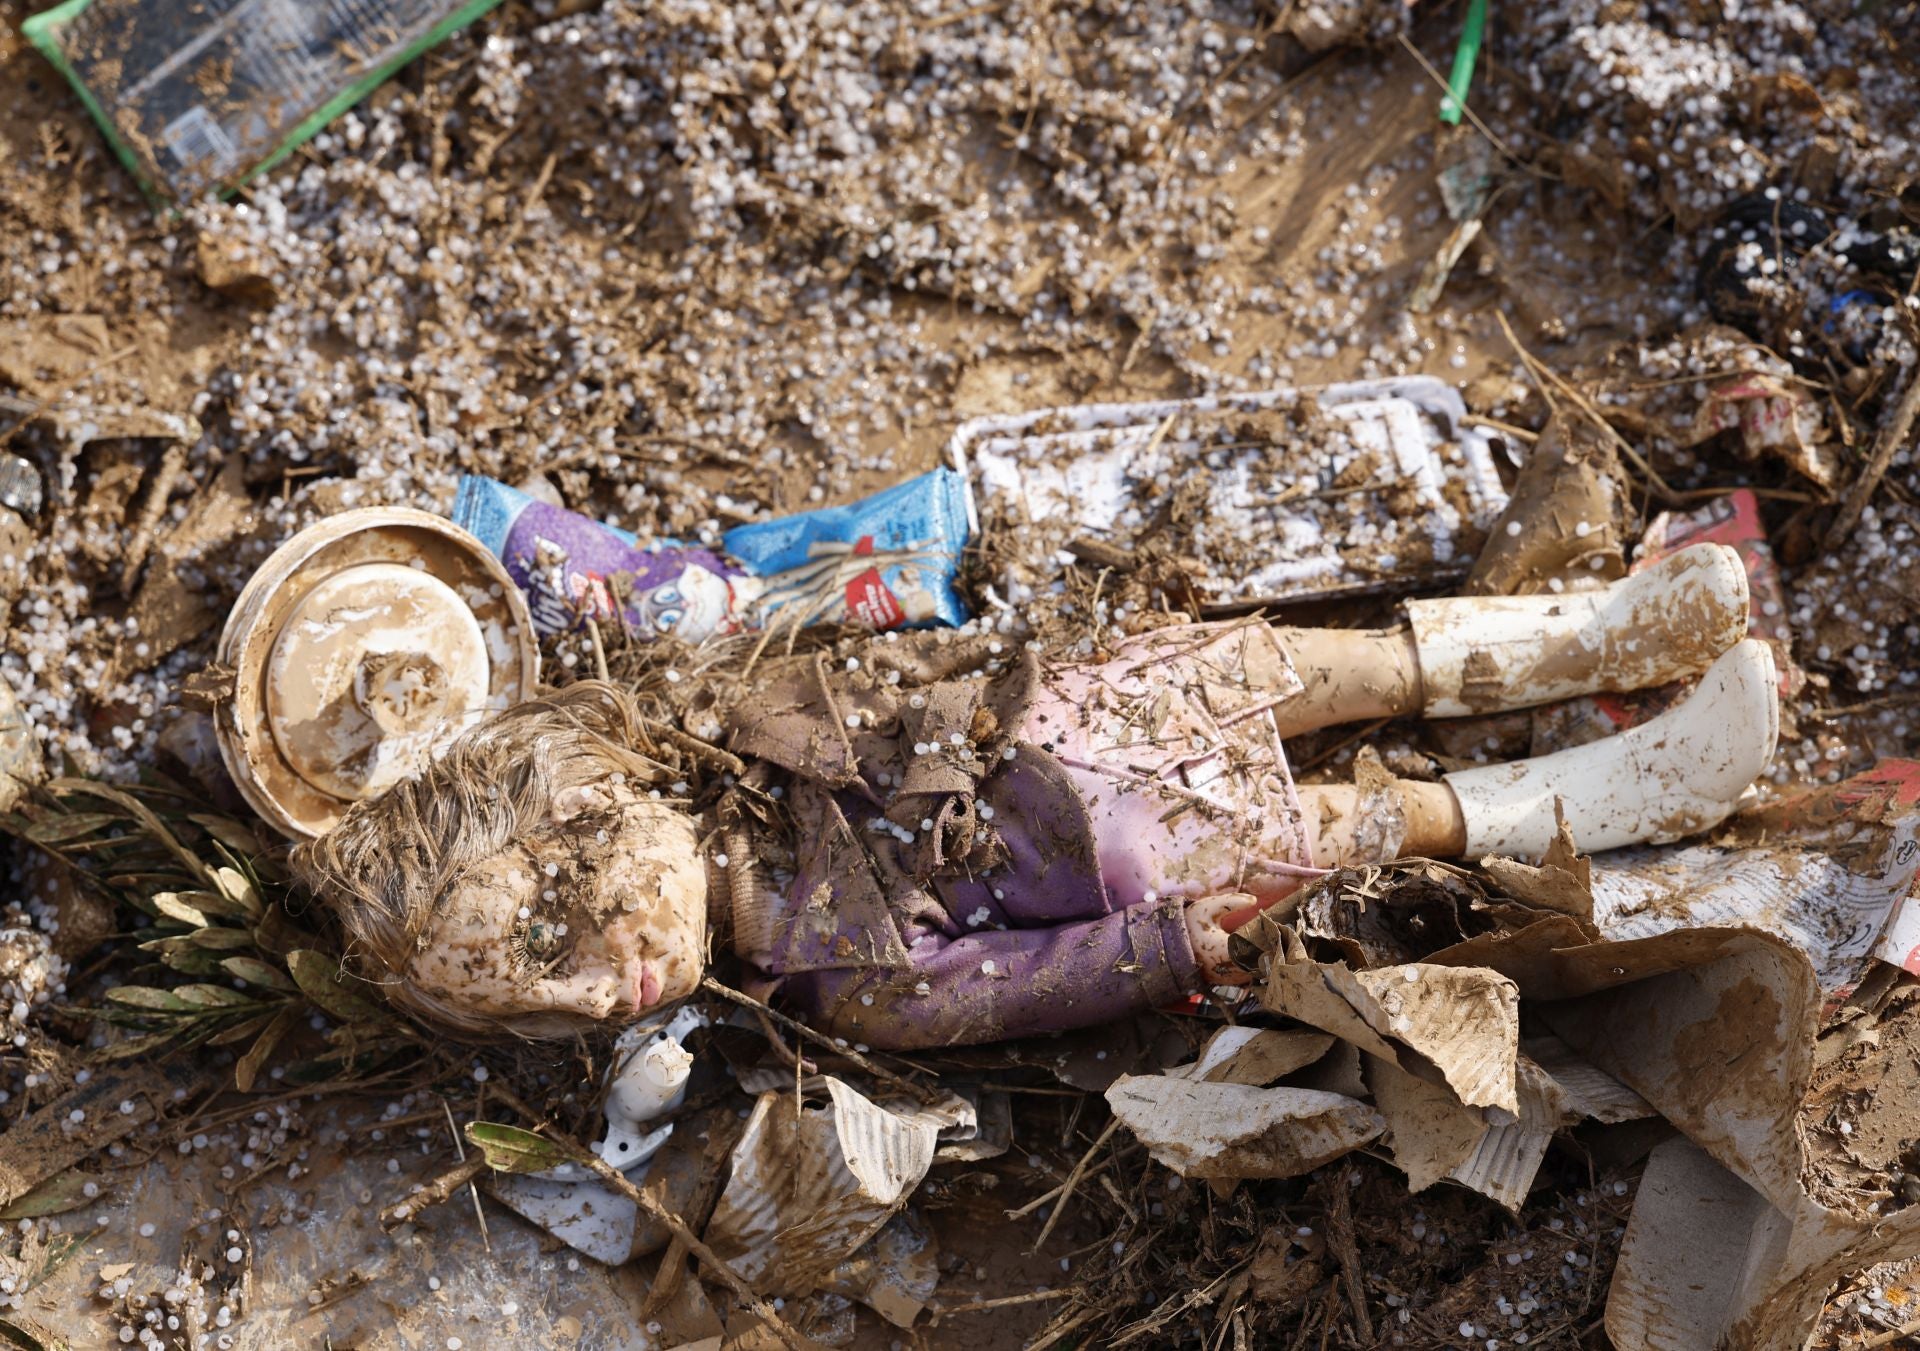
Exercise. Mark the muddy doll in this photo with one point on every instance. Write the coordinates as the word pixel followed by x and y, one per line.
pixel 1005 844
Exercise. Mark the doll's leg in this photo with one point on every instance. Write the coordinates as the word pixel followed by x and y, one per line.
pixel 1348 675
pixel 1674 775
pixel 1484 654
pixel 1404 819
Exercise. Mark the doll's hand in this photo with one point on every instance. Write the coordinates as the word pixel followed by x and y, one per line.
pixel 1209 936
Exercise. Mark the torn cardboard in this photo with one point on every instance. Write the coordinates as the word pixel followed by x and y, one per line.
pixel 811 1185
pixel 1227 1131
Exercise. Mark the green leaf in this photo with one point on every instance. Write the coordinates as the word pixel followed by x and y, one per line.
pixel 236 887
pixel 240 1031
pixel 235 835
pixel 68 826
pixel 133 1048
pixel 169 904
pixel 56 1196
pixel 256 972
pixel 141 813
pixel 509 1149
pixel 180 955
pixel 145 997
pixel 52 1257
pixel 278 935
pixel 219 938
pixel 250 1064
pixel 211 903
pixel 331 989
pixel 359 1036
pixel 338 1065
pixel 212 997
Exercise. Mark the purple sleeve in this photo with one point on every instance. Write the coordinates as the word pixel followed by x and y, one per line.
pixel 1007 982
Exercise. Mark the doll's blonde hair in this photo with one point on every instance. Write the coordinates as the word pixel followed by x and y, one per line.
pixel 386 867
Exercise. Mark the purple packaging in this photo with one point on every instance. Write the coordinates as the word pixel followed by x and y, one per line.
pixel 887 561
pixel 573 568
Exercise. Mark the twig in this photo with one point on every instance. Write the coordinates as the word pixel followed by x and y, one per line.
pixel 1003 1301
pixel 1472 116
pixel 1325 755
pixel 1897 699
pixel 686 1238
pixel 473 1188
pixel 693 745
pixel 173 463
pixel 433 1193
pixel 1656 485
pixel 1073 1180
pixel 599 652
pixel 961 16
pixel 826 1043
pixel 1021 1212
pixel 1504 428
pixel 673 1264
pixel 1345 1251
pixel 53 400
pixel 1889 1338
pixel 1776 494
pixel 1892 436
pixel 651 1208
pixel 534 189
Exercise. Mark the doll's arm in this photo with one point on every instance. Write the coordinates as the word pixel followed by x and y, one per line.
pixel 1008 982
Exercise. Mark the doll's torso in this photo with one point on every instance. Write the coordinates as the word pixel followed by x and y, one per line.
pixel 969 845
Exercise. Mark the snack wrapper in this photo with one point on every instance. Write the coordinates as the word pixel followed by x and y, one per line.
pixel 887 561
pixel 573 568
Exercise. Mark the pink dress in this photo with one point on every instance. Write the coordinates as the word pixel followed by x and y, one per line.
pixel 1173 746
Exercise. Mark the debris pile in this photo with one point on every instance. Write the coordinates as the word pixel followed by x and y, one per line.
pixel 1207 310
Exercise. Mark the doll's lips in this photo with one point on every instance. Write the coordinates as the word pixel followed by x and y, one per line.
pixel 646 986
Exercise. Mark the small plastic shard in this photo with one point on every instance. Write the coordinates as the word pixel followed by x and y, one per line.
pixel 1096 476
pixel 197 98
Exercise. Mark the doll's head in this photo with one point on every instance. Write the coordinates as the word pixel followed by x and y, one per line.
pixel 525 881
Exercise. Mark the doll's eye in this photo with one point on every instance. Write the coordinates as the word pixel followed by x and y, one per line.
pixel 536 943
pixel 667 620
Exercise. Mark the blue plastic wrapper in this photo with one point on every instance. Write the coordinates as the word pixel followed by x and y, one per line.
pixel 887 561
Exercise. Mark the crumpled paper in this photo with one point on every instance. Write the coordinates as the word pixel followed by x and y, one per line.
pixel 813 1185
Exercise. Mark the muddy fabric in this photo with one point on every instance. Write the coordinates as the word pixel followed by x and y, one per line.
pixel 948 885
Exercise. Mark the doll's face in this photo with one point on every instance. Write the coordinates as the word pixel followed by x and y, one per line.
pixel 603 917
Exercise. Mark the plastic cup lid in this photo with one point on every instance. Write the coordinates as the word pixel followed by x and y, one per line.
pixel 361 647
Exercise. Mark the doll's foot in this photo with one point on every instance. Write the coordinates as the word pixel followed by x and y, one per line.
pixel 1674 775
pixel 1480 654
